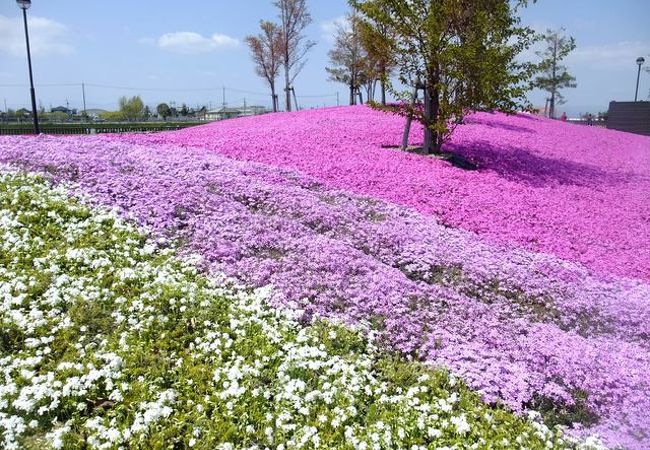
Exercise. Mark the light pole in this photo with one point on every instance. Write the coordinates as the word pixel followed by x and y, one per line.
pixel 24 5
pixel 639 61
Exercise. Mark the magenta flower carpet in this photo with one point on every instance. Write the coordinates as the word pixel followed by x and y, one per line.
pixel 529 277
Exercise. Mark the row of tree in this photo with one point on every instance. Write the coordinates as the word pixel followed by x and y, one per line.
pixel 132 109
pixel 460 55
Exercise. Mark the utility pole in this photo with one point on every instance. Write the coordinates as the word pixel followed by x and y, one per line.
pixel 223 96
pixel 640 60
pixel 337 98
pixel 24 5
pixel 83 94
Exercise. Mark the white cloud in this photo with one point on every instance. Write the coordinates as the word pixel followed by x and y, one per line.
pixel 46 36
pixel 330 27
pixel 188 42
pixel 611 56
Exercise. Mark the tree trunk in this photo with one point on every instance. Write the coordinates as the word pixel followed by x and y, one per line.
pixel 274 98
pixel 353 99
pixel 383 92
pixel 554 78
pixel 432 138
pixel 409 119
pixel 295 99
pixel 552 106
pixel 287 90
pixel 287 87
pixel 360 96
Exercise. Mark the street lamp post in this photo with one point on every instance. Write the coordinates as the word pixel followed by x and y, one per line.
pixel 24 5
pixel 639 61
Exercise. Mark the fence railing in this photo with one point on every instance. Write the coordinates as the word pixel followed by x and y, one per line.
pixel 94 128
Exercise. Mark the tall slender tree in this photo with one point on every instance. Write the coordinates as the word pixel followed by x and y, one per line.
pixel 348 58
pixel 266 51
pixel 462 51
pixel 554 76
pixel 294 18
pixel 376 41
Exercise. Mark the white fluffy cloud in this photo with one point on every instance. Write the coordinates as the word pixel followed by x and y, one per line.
pixel 188 42
pixel 46 36
pixel 330 27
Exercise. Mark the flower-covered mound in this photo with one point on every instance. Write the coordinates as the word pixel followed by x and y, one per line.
pixel 109 341
pixel 524 328
pixel 580 193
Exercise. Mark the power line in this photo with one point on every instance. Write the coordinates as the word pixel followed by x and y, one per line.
pixel 43 85
pixel 150 89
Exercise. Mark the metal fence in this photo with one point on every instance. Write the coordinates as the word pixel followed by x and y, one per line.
pixel 94 128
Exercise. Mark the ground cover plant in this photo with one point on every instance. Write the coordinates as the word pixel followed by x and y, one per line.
pixel 110 341
pixel 521 318
pixel 544 185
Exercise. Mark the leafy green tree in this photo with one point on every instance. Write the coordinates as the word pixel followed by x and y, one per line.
pixel 554 76
pixel 348 58
pixel 131 108
pixel 376 41
pixel 462 53
pixel 164 110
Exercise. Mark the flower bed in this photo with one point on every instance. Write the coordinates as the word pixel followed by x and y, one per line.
pixel 109 341
pixel 579 193
pixel 524 328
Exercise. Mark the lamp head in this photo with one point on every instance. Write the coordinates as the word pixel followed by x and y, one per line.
pixel 24 4
pixel 640 60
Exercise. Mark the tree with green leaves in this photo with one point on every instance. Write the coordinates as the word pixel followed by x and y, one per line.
pixel 348 58
pixel 163 111
pixel 376 41
pixel 461 52
pixel 554 76
pixel 266 51
pixel 131 108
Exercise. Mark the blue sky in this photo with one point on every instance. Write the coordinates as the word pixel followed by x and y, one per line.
pixel 169 49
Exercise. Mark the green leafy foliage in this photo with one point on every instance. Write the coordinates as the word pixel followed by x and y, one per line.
pixel 554 75
pixel 461 53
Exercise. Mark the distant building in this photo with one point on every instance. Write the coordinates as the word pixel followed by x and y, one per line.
pixel 231 113
pixel 63 109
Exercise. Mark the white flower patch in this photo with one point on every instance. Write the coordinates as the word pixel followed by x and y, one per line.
pixel 137 347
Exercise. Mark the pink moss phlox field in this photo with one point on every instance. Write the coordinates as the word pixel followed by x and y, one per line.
pixel 518 326
pixel 579 193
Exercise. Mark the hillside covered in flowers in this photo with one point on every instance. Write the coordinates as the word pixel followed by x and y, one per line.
pixel 528 278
